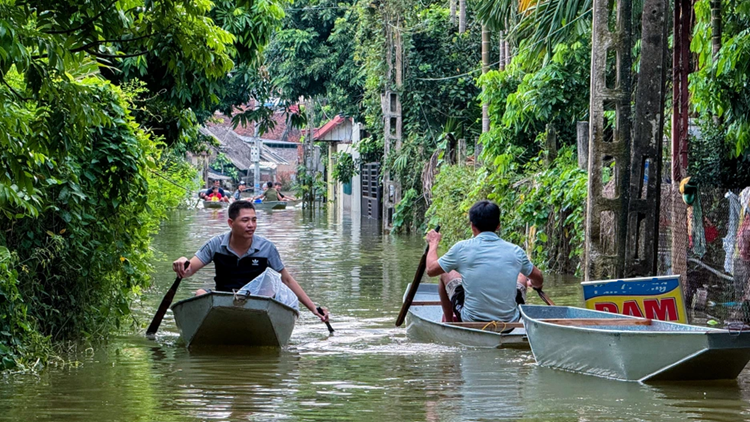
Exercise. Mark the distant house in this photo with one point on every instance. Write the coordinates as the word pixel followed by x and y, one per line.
pixel 239 152
pixel 283 140
pixel 341 134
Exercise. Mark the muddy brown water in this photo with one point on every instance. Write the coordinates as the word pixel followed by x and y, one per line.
pixel 368 370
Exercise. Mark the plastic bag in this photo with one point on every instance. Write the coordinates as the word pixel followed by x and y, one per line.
pixel 269 284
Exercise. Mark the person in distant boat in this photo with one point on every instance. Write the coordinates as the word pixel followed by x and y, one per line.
pixel 215 196
pixel 283 197
pixel 237 195
pixel 217 185
pixel 270 194
pixel 479 277
pixel 240 255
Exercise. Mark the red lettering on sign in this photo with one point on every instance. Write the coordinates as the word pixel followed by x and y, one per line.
pixel 663 310
pixel 630 307
pixel 606 307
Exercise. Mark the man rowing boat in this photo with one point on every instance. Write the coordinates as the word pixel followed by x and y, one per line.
pixel 479 277
pixel 240 255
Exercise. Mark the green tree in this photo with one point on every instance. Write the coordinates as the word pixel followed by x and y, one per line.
pixel 97 106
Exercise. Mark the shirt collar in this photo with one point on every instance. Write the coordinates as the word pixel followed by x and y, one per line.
pixel 254 247
pixel 488 236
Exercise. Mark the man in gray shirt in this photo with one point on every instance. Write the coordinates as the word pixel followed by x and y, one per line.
pixel 240 255
pixel 478 277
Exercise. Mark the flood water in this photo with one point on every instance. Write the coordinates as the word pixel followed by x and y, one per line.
pixel 368 370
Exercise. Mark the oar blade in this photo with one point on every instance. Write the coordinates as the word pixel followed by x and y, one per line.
pixel 414 286
pixel 544 297
pixel 163 306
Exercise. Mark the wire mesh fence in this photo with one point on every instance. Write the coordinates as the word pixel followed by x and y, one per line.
pixel 708 242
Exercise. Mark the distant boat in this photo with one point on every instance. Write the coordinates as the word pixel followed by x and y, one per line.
pixel 424 322
pixel 214 204
pixel 223 319
pixel 270 205
pixel 627 348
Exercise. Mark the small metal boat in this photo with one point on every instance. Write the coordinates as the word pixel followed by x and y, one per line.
pixel 226 319
pixel 628 348
pixel 270 205
pixel 213 204
pixel 424 323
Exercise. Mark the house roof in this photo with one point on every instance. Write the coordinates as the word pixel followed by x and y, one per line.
pixel 238 151
pixel 328 127
pixel 217 176
pixel 266 154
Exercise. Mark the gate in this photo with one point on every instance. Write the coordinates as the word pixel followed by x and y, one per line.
pixel 372 200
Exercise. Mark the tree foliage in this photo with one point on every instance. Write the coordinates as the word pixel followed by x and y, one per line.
pixel 98 104
pixel 721 96
pixel 524 100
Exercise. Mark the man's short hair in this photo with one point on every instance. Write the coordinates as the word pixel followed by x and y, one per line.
pixel 236 206
pixel 269 184
pixel 277 184
pixel 485 215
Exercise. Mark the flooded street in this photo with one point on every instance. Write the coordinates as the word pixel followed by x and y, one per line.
pixel 368 370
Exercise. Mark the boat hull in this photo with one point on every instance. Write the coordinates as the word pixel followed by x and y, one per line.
pixel 221 319
pixel 659 351
pixel 213 204
pixel 270 205
pixel 424 323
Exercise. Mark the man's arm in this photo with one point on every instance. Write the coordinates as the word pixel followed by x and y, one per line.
pixel 433 267
pixel 290 282
pixel 537 278
pixel 178 266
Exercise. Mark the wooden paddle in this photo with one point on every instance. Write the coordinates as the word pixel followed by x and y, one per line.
pixel 414 285
pixel 544 297
pixel 328 324
pixel 156 322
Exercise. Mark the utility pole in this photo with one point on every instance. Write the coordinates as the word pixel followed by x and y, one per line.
pixel 391 106
pixel 255 157
pixel 255 151
pixel 606 212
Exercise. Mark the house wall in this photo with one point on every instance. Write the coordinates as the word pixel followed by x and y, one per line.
pixel 350 204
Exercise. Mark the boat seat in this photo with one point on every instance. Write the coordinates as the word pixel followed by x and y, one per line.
pixel 597 321
pixel 496 326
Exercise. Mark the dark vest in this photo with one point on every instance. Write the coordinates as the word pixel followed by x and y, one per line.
pixel 233 273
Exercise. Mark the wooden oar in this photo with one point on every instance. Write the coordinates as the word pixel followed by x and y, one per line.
pixel 544 297
pixel 156 322
pixel 414 285
pixel 328 324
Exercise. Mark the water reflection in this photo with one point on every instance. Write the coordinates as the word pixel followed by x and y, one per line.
pixel 368 370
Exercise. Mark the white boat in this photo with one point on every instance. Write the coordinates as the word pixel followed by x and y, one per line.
pixel 424 323
pixel 226 319
pixel 628 348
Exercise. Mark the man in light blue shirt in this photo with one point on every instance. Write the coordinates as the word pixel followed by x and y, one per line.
pixel 478 277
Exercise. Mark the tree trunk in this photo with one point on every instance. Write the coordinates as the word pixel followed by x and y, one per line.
pixel 715 26
pixel 683 17
pixel 648 126
pixel 485 69
pixel 508 53
pixel 453 12
pixel 461 16
pixel 501 56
